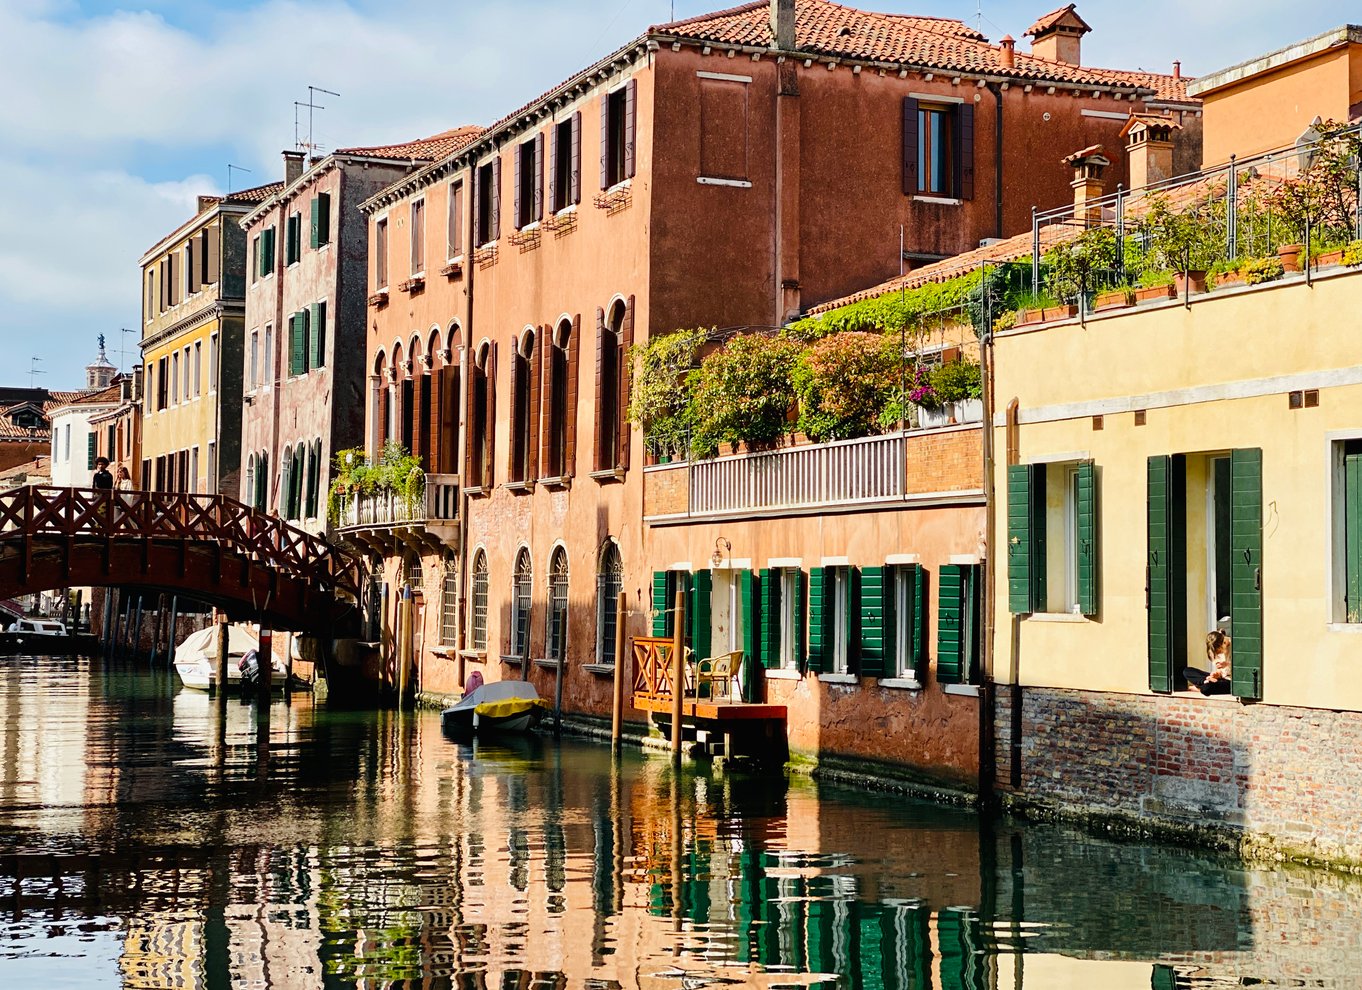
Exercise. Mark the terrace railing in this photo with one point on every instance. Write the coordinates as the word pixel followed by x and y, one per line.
pixel 438 504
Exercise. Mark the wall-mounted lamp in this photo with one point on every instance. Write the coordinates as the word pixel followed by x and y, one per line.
pixel 721 547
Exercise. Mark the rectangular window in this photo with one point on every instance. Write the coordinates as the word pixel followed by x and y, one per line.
pixel 449 605
pixel 935 156
pixel 1052 553
pixel 418 237
pixel 198 368
pixel 175 377
pixel 267 250
pixel 320 225
pixel 298 343
pixel 485 207
pixel 211 485
pixel 257 268
pixel 191 270
pixel 188 385
pixel 905 621
pixel 213 362
pixel 617 135
pixel 193 469
pixel 1347 530
pixel 253 365
pixel 66 454
pixel 724 129
pixel 293 239
pixel 840 605
pixel 149 376
pixel 958 626
pixel 564 167
pixel 529 181
pixel 833 626
pixel 91 442
pixel 162 383
pixel 381 253
pixel 151 295
pixel 788 595
pixel 316 336
pixel 267 358
pixel 938 148
pixel 454 232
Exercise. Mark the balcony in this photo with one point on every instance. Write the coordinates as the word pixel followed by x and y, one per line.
pixel 921 467
pixel 431 518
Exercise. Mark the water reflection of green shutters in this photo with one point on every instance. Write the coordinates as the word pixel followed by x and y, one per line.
pixel 818 940
pixel 1246 571
pixel 661 605
pixel 906 953
pixel 817 608
pixel 695 882
pixel 958 937
pixel 1087 538
pixel 769 645
pixel 701 590
pixel 877 620
pixel 1165 569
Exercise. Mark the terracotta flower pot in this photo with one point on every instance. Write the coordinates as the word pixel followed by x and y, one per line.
pixel 1193 280
pixel 1228 279
pixel 1291 257
pixel 1330 258
pixel 1153 292
pixel 1115 299
pixel 1052 313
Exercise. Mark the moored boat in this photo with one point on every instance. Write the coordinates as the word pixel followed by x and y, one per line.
pixel 196 658
pixel 502 706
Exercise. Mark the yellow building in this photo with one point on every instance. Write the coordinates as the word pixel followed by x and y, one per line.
pixel 193 304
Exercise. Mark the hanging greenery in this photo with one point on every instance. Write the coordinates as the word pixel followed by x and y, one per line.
pixel 396 472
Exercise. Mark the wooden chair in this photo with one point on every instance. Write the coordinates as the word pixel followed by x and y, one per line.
pixel 721 669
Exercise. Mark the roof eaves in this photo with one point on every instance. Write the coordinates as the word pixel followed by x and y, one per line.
pixel 1346 34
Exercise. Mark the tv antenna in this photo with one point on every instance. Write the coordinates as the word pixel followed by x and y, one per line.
pixel 309 146
pixel 230 169
pixel 122 346
pixel 33 369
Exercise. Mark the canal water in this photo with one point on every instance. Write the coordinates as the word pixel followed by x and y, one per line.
pixel 145 842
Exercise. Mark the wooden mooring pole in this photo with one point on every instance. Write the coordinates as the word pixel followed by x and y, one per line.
pixel 221 619
pixel 621 644
pixel 678 670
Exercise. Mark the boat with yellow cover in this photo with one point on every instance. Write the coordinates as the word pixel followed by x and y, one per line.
pixel 502 706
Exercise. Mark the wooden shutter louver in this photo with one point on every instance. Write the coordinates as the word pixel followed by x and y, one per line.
pixel 701 589
pixel 603 458
pixel 546 435
pixel 877 610
pixel 1352 536
pixel 749 600
pixel 570 447
pixel 470 417
pixel 950 645
pixel 1019 540
pixel 318 334
pixel 1165 570
pixel 799 646
pixel 532 441
pixel 623 432
pixel 552 176
pixel 212 262
pixel 630 122
pixel 297 339
pixel 1246 572
pixel 769 611
pixel 538 212
pixel 575 194
pixel 519 212
pixel 964 146
pixel 660 604
pixel 910 140
pixel 921 598
pixel 605 140
pixel 489 418
pixel 818 611
pixel 1088 562
pixel 496 198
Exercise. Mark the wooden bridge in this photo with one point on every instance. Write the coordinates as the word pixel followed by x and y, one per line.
pixel 209 548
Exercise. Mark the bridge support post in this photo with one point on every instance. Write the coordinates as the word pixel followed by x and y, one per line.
pixel 107 633
pixel 265 664
pixel 405 641
pixel 174 624
pixel 221 619
pixel 135 641
pixel 678 670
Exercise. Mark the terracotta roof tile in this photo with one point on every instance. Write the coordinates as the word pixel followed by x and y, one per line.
pixel 1048 21
pixel 432 148
pixel 829 29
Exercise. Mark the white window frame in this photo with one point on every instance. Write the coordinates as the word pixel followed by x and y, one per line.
pixel 789 633
pixel 903 622
pixel 840 605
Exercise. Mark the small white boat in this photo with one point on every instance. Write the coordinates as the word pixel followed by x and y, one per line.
pixel 502 706
pixel 196 659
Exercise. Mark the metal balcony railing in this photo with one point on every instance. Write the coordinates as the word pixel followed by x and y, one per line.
pixel 439 504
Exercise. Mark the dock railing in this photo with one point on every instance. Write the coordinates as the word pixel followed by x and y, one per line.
pixel 653 668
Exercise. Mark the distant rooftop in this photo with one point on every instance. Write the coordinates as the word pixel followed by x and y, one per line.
pixel 1348 33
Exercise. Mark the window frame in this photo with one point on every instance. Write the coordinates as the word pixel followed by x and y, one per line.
pixel 478 590
pixel 449 602
pixel 417 224
pixel 609 583
pixel 381 253
pixel 522 604
pixel 946 114
pixel 1336 574
pixel 454 221
pixel 557 613
pixel 787 591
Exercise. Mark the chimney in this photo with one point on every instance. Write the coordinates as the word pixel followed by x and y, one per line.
pixel 1177 69
pixel 1088 166
pixel 1008 56
pixel 1149 148
pixel 293 166
pixel 1058 36
pixel 783 25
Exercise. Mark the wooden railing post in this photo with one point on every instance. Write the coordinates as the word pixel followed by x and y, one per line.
pixel 617 713
pixel 678 671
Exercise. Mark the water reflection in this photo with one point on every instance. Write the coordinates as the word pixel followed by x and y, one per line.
pixel 148 841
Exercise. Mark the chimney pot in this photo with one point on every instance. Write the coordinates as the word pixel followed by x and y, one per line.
pixel 1008 55
pixel 1177 69
pixel 783 25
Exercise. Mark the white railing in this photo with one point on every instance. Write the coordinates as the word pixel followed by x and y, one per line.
pixel 845 471
pixel 440 503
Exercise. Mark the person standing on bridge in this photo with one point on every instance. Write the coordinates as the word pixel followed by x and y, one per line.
pixel 124 482
pixel 103 479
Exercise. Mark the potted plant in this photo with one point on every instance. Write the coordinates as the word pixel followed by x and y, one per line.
pixel 1154 285
pixel 1225 274
pixel 1352 254
pixel 1255 271
pixel 1184 242
pixel 956 386
pixel 1117 298
pixel 1290 257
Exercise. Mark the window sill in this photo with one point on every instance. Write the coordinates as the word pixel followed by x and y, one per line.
pixel 600 669
pixel 963 690
pixel 519 487
pixel 839 678
pixel 706 180
pixel 479 655
pixel 900 683
pixel 477 491
pixel 561 481
pixel 548 664
pixel 784 674
pixel 941 200
pixel 1345 627
pixel 607 475
pixel 1057 617
pixel 512 661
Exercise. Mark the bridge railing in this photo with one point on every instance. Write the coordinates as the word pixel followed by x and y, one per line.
pixel 87 513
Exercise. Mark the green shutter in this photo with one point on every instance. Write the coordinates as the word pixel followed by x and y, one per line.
pixel 960 938
pixel 291 239
pixel 660 604
pixel 769 640
pixel 1352 535
pixel 921 599
pixel 877 609
pixel 1026 590
pixel 267 251
pixel 317 335
pixel 817 611
pixel 324 218
pixel 749 593
pixel 1164 977
pixel 800 650
pixel 90 445
pixel 853 619
pixel 1246 572
pixel 1087 538
pixel 297 345
pixel 950 625
pixel 1165 570
pixel 700 594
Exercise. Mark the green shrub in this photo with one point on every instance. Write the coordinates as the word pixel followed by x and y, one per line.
pixel 844 383
pixel 396 472
pixel 1352 254
pixel 658 399
pixel 1258 270
pixel 1071 265
pixel 957 381
pixel 742 393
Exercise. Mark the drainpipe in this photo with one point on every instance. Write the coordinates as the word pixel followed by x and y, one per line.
pixel 997 92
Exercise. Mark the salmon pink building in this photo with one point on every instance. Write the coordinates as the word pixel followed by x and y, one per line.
pixel 734 171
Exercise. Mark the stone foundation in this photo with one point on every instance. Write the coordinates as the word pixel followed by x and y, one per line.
pixel 1271 781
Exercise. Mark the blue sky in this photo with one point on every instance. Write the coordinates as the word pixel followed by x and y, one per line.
pixel 117 115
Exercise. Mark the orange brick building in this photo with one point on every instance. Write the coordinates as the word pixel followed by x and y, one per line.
pixel 732 170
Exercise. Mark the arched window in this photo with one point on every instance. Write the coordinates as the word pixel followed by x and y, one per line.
pixel 558 427
pixel 285 484
pixel 477 594
pixel 316 479
pixel 262 482
pixel 394 428
pixel 248 489
pixel 409 371
pixel 524 390
pixel 378 405
pixel 414 576
pixel 609 581
pixel 449 602
pixel 521 590
pixel 481 406
pixel 295 482
pixel 609 363
pixel 558 605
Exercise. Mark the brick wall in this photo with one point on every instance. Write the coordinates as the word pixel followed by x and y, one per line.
pixel 666 492
pixel 1272 778
pixel 945 462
